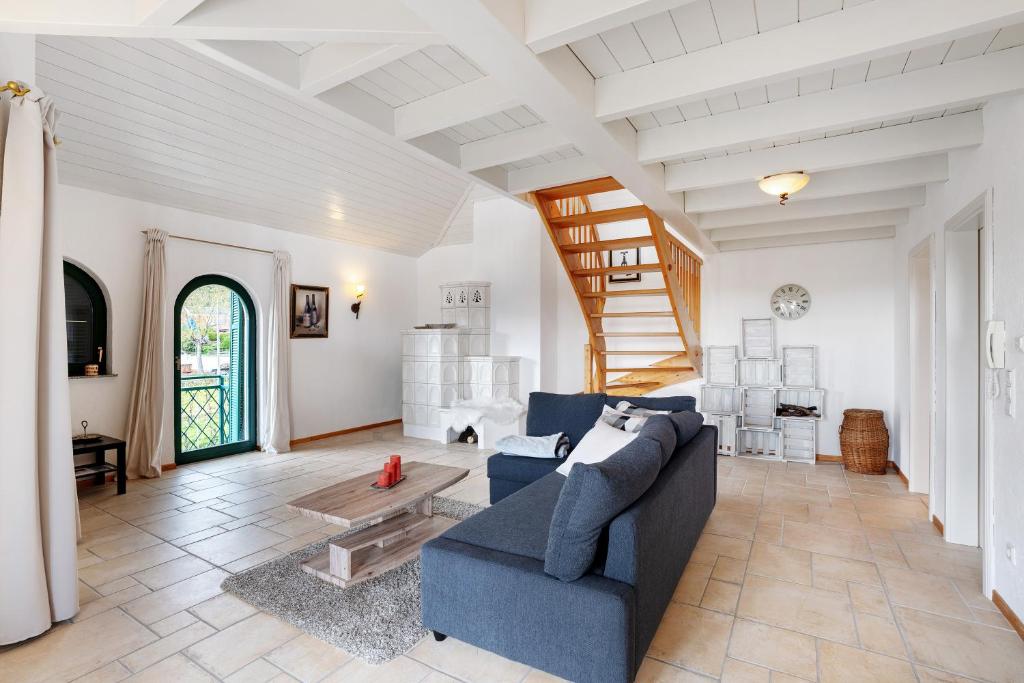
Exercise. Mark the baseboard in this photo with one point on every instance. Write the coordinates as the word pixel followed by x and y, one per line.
pixel 893 465
pixel 342 432
pixel 937 523
pixel 169 466
pixel 1010 615
pixel 828 458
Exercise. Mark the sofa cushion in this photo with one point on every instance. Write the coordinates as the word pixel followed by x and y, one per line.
pixel 520 468
pixel 518 525
pixel 600 443
pixel 686 426
pixel 592 496
pixel 674 404
pixel 572 414
pixel 662 429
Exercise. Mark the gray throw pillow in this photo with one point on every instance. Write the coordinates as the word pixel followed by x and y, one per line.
pixel 660 428
pixel 687 425
pixel 592 496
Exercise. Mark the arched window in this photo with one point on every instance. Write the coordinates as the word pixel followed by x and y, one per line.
pixel 85 310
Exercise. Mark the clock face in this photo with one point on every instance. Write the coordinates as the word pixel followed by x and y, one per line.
pixel 790 302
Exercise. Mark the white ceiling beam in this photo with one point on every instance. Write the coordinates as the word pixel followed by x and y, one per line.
pixel 164 12
pixel 949 85
pixel 841 182
pixel 553 23
pixel 555 173
pixel 362 105
pixel 855 221
pixel 558 88
pixel 473 100
pixel 905 141
pixel 331 64
pixel 885 200
pixel 511 146
pixel 879 233
pixel 352 21
pixel 856 34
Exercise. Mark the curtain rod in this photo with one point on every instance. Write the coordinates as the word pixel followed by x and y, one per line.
pixel 216 244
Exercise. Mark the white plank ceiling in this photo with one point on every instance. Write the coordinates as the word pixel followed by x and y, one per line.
pixel 383 123
pixel 151 119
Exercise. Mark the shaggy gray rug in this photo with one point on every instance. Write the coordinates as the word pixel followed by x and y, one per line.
pixel 376 620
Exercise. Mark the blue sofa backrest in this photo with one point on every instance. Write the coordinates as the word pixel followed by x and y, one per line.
pixel 676 404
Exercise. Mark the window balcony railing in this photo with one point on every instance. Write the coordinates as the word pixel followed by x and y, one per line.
pixel 204 412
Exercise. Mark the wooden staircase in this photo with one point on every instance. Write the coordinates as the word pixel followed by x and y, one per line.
pixel 665 260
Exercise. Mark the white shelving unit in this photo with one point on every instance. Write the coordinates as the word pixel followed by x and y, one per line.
pixel 745 386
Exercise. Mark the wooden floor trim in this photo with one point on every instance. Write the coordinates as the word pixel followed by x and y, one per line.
pixel 828 458
pixel 342 432
pixel 937 523
pixel 1010 615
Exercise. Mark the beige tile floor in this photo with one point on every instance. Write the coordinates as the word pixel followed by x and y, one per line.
pixel 803 573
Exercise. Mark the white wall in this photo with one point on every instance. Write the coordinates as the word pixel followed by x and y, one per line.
pixel 352 378
pixel 996 166
pixel 850 320
pixel 507 252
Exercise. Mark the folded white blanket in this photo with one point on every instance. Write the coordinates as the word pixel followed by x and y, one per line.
pixel 554 446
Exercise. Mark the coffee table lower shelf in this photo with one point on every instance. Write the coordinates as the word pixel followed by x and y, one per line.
pixel 376 549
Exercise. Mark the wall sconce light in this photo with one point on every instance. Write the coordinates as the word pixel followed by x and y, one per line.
pixel 360 293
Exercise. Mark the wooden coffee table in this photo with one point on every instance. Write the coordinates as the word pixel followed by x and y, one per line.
pixel 402 520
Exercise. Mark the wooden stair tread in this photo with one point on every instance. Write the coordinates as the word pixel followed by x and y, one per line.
pixel 625 292
pixel 625 213
pixel 637 334
pixel 633 385
pixel 586 187
pixel 608 245
pixel 677 352
pixel 669 368
pixel 634 314
pixel 610 270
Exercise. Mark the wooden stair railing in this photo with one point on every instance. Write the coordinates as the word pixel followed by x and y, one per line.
pixel 572 226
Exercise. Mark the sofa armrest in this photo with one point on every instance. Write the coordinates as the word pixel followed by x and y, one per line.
pixel 581 630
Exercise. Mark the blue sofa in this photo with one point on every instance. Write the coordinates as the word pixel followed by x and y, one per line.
pixel 484 580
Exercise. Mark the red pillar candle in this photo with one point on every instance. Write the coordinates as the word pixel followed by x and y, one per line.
pixel 392 471
pixel 396 460
pixel 384 479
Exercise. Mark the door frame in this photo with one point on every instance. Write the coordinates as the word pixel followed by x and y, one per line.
pixel 976 215
pixel 249 352
pixel 920 473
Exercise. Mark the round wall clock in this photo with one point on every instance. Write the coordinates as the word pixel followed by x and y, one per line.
pixel 790 302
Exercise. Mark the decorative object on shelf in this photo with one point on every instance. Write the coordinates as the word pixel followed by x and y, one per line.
pixel 864 441
pixel 309 311
pixel 790 410
pixel 360 293
pixel 622 258
pixel 93 369
pixel 85 436
pixel 782 185
pixel 790 302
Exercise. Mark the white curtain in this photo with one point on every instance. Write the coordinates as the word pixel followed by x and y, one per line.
pixel 277 415
pixel 146 405
pixel 38 522
pixel 276 418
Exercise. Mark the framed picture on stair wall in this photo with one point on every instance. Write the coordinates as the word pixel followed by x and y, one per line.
pixel 621 258
pixel 309 312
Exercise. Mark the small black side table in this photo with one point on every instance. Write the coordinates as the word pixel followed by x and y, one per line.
pixel 98 469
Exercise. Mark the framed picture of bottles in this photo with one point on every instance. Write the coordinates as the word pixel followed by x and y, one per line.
pixel 621 258
pixel 309 311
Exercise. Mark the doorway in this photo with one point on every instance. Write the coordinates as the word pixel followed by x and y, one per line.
pixel 214 370
pixel 922 367
pixel 966 408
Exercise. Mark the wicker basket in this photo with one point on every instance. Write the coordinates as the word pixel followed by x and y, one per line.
pixel 864 441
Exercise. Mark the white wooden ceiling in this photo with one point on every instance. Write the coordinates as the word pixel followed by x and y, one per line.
pixel 152 119
pixel 379 116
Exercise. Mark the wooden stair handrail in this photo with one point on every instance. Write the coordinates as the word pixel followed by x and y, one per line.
pixel 681 269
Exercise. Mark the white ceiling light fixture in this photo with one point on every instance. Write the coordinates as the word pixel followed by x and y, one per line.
pixel 782 185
